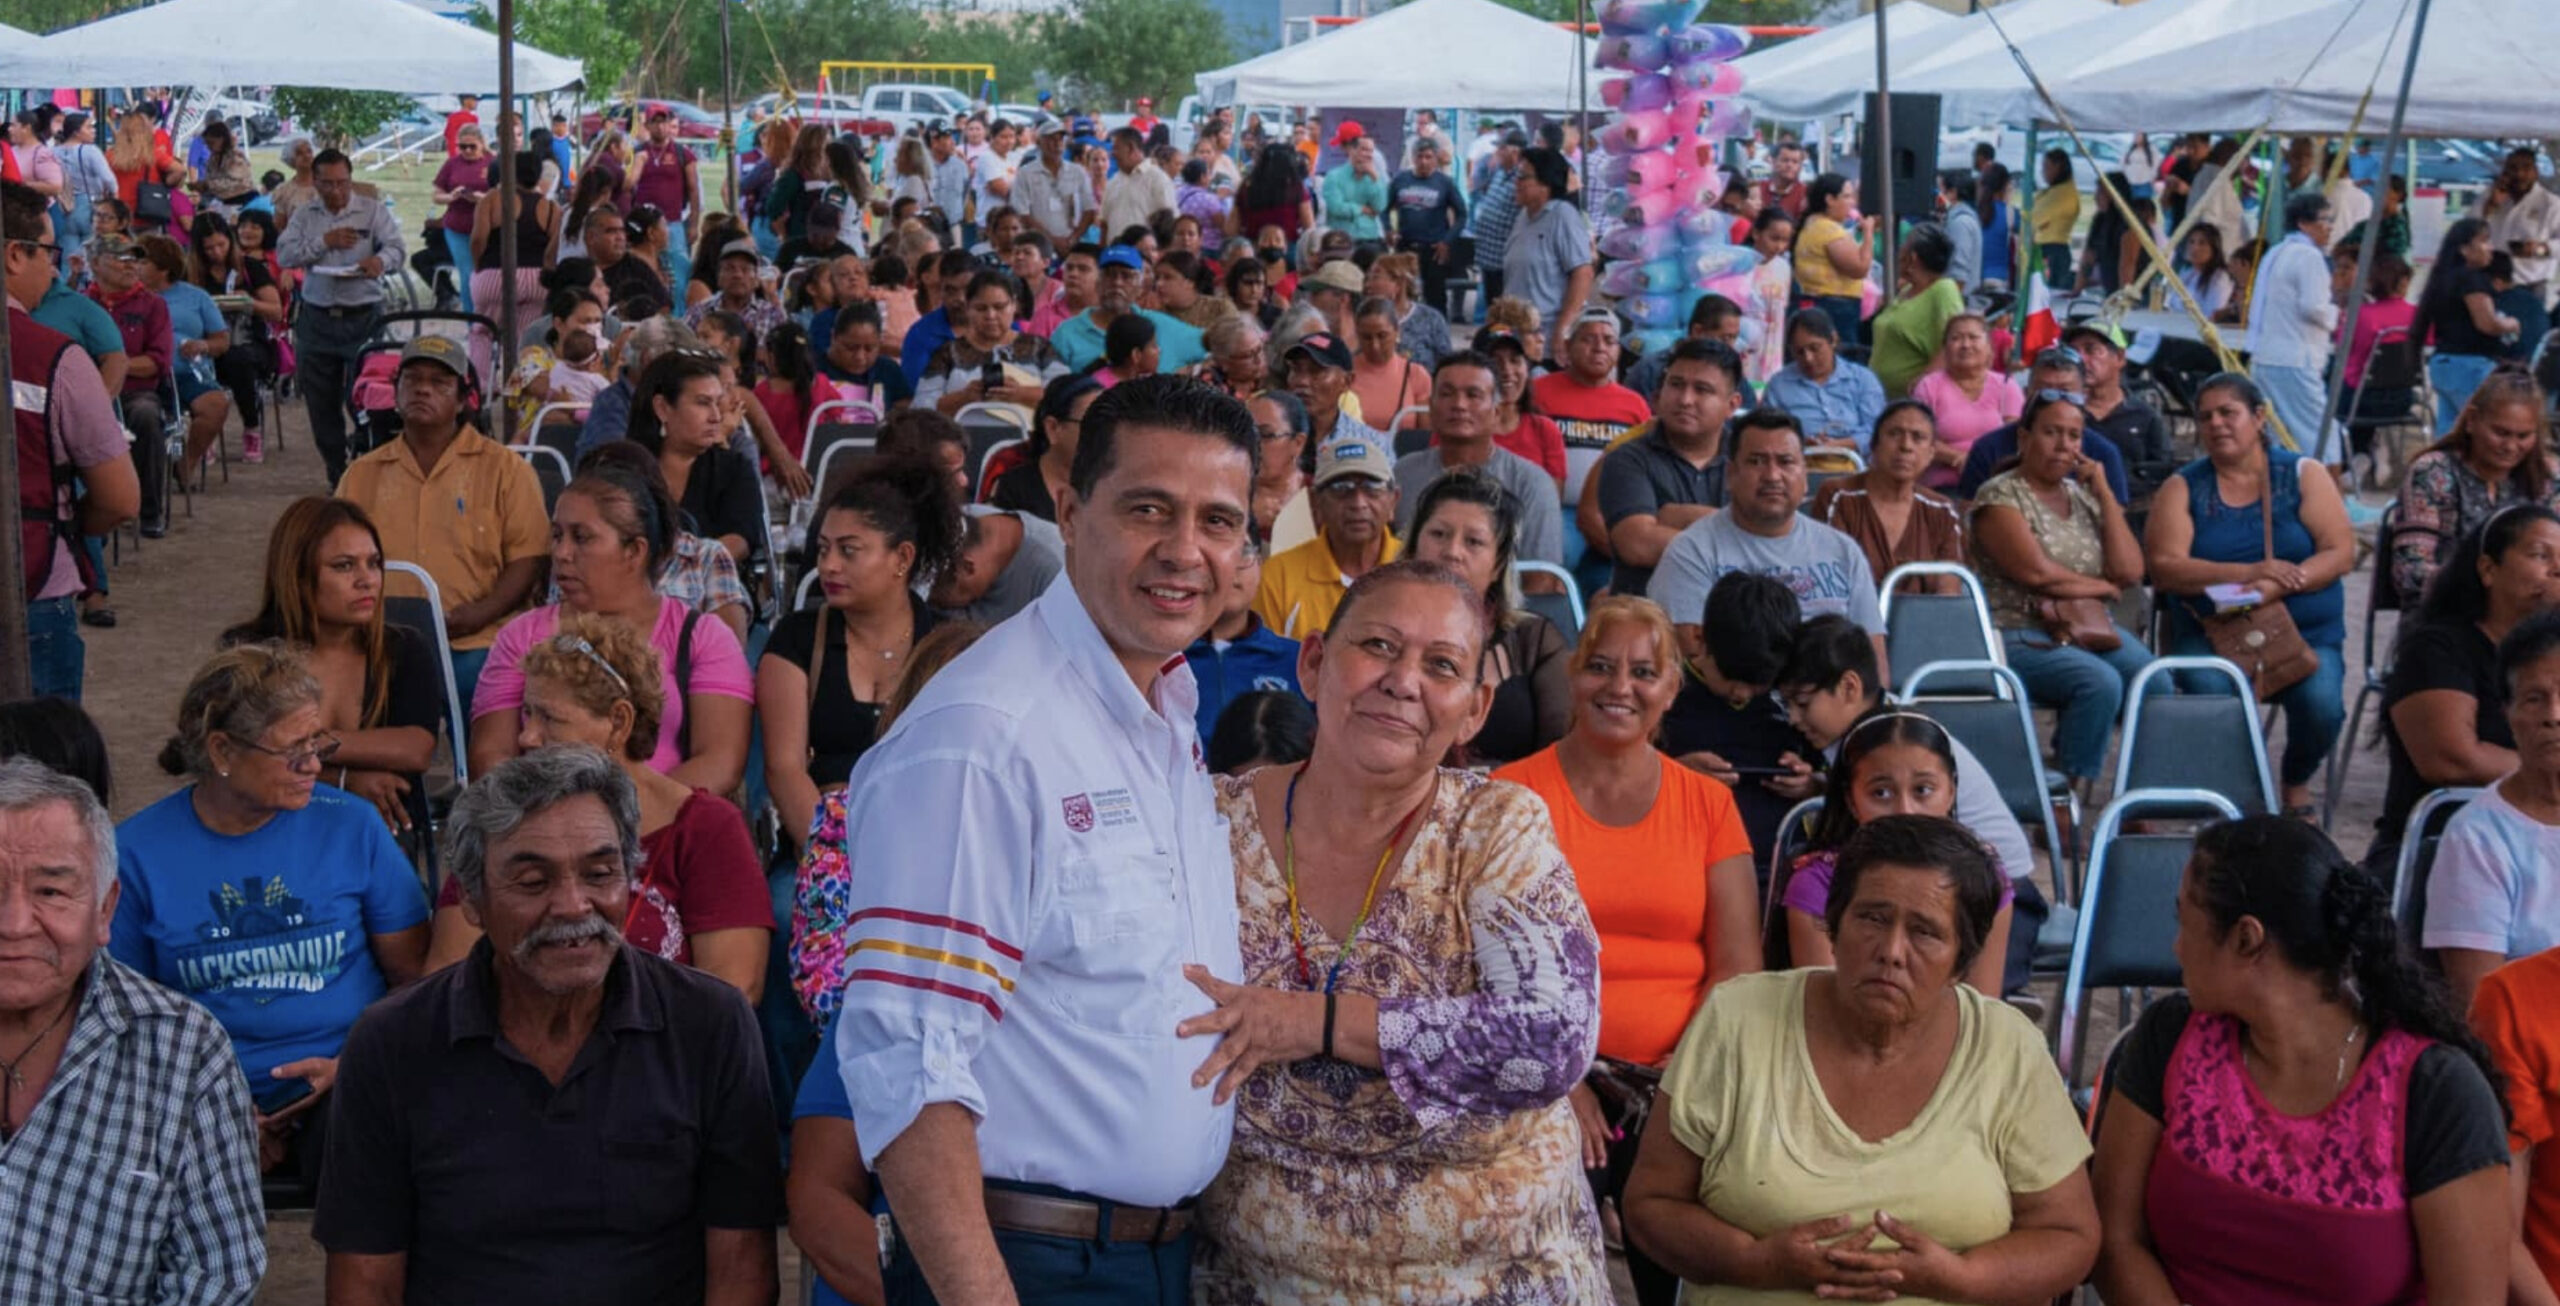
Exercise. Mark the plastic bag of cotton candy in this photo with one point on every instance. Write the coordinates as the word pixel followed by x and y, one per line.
pixel 1665 242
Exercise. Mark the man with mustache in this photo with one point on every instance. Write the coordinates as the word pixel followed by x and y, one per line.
pixel 556 1117
pixel 132 1151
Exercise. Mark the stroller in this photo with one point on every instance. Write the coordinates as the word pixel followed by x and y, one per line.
pixel 373 396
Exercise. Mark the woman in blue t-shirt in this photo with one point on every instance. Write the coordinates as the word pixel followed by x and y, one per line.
pixel 201 336
pixel 276 902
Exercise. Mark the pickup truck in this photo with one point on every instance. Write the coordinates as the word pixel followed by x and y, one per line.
pixel 898 106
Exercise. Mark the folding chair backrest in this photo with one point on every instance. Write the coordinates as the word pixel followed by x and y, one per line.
pixel 1565 609
pixel 424 613
pixel 550 467
pixel 2385 595
pixel 2128 923
pixel 2418 841
pixel 1923 628
pixel 2394 364
pixel 2211 741
pixel 1795 829
pixel 978 482
pixel 2000 732
pixel 1412 440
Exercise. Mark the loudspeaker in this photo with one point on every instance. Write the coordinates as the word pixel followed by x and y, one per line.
pixel 1912 172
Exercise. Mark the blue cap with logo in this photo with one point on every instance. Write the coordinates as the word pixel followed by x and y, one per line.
pixel 1123 256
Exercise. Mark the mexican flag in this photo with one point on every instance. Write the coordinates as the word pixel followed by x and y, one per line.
pixel 2041 328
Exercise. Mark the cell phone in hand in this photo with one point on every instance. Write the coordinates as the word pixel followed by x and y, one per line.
pixel 281 1093
pixel 1760 772
pixel 991 376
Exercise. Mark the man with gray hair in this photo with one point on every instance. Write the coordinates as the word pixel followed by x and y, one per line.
pixel 132 1153
pixel 556 1117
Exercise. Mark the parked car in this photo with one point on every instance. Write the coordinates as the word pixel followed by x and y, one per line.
pixel 836 113
pixel 1025 115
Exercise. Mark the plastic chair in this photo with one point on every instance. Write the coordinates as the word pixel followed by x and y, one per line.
pixel 2213 742
pixel 550 466
pixel 2127 930
pixel 1565 609
pixel 1920 629
pixel 2384 596
pixel 978 482
pixel 2418 839
pixel 426 616
pixel 1999 729
pixel 556 427
pixel 857 428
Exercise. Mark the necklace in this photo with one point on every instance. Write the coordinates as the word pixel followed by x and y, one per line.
pixel 2346 1052
pixel 1289 874
pixel 11 1080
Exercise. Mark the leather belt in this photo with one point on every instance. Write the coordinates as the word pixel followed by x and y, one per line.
pixel 1066 1217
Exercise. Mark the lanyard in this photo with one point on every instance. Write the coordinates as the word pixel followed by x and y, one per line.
pixel 1368 900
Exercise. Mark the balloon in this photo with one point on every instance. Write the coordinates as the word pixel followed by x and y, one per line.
pixel 1705 226
pixel 1640 244
pixel 1634 54
pixel 1644 91
pixel 1749 341
pixel 1633 132
pixel 1727 118
pixel 1647 15
pixel 1662 312
pixel 1736 287
pixel 1658 277
pixel 1648 208
pixel 1653 339
pixel 1710 41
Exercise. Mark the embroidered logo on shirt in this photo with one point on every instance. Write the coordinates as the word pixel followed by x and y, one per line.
pixel 1079 812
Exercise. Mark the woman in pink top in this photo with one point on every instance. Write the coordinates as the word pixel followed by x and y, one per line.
pixel 1386 381
pixel 612 533
pixel 2386 308
pixel 1968 398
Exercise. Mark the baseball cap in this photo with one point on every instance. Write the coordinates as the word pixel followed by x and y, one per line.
pixel 1324 347
pixel 2093 328
pixel 1353 455
pixel 825 215
pixel 1083 123
pixel 1122 256
pixel 1053 127
pixel 1341 274
pixel 1516 139
pixel 1348 132
pixel 661 113
pixel 1146 102
pixel 1595 314
pixel 437 349
pixel 742 248
pixel 114 247
pixel 1493 338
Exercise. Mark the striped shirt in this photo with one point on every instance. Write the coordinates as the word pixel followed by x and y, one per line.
pixel 1037 853
pixel 136 1178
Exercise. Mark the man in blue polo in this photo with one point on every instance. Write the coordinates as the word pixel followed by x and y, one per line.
pixel 1078 340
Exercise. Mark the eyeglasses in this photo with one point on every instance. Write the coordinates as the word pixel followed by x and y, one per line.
pixel 2071 397
pixel 2059 356
pixel 1346 487
pixel 318 748
pixel 589 651
pixel 51 251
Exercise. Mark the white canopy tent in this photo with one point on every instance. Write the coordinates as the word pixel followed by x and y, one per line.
pixel 1838 50
pixel 356 45
pixel 1430 54
pixel 1985 85
pixel 2484 69
pixel 1840 81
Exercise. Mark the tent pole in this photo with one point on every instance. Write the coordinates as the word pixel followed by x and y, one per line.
pixel 2029 257
pixel 1879 190
pixel 507 251
pixel 2373 235
pixel 728 123
pixel 16 671
pixel 1582 96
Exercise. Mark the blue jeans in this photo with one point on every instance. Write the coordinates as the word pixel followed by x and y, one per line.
pixel 56 657
pixel 2454 377
pixel 1051 1271
pixel 1843 312
pixel 466 680
pixel 2315 709
pixel 458 244
pixel 679 258
pixel 2086 688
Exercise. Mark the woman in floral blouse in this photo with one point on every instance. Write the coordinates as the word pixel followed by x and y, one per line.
pixel 2494 456
pixel 1421 993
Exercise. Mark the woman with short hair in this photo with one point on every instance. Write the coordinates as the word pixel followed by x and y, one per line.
pixel 2309 1121
pixel 1877 1128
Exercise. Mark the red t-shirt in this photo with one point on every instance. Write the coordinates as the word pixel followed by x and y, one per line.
pixel 1592 418
pixel 699 873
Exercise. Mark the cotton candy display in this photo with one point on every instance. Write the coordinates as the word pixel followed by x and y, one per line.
pixel 1665 242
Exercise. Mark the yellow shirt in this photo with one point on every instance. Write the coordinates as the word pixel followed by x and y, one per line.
pixel 1742 1095
pixel 2056 212
pixel 1301 588
pixel 1813 263
pixel 480 509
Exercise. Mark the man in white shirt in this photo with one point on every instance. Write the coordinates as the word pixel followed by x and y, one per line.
pixel 1137 191
pixel 2524 220
pixel 2291 317
pixel 1041 856
pixel 949 183
pixel 1055 195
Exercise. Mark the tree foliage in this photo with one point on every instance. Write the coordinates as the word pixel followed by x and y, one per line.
pixel 339 119
pixel 594 32
pixel 1121 49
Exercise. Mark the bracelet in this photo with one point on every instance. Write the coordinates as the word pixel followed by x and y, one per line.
pixel 1328 1024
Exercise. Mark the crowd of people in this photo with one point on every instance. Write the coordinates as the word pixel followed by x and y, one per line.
pixel 970 892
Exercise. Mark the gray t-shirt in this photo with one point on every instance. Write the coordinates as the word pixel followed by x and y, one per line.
pixel 1541 514
pixel 1542 255
pixel 1036 562
pixel 1826 569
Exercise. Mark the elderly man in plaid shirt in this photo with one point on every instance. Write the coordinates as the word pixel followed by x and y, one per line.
pixel 128 1153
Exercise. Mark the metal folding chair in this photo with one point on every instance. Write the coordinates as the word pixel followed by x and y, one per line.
pixel 1999 729
pixel 426 616
pixel 1920 629
pixel 550 466
pixel 1565 609
pixel 2417 860
pixel 2383 596
pixel 854 432
pixel 2127 929
pixel 2208 741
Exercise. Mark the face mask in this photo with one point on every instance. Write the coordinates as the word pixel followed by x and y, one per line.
pixel 1272 255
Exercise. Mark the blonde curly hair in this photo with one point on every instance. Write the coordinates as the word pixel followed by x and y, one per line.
pixel 602 662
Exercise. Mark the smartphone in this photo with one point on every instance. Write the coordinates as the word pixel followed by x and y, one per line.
pixel 281 1093
pixel 1761 772
pixel 991 375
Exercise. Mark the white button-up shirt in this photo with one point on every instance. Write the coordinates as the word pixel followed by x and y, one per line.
pixel 2290 312
pixel 2534 219
pixel 1131 198
pixel 1058 203
pixel 1036 852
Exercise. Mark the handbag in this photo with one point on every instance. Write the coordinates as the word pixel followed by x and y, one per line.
pixel 2261 639
pixel 2081 623
pixel 151 203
